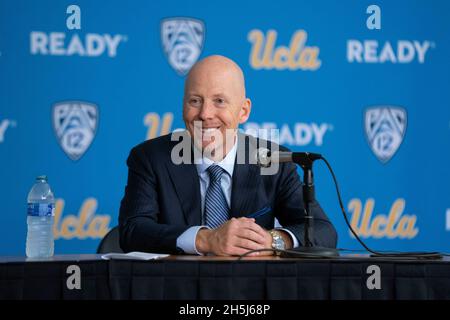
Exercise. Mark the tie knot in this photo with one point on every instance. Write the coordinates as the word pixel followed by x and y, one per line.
pixel 215 172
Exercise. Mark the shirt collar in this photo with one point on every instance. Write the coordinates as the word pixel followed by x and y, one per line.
pixel 227 163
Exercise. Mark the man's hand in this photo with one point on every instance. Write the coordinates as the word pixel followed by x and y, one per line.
pixel 235 237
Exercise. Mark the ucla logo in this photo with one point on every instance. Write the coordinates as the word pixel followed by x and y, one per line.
pixel 396 224
pixel 154 122
pixel 385 128
pixel 267 54
pixel 88 223
pixel 75 125
pixel 182 41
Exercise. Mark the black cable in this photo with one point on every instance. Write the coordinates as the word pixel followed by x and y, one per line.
pixel 258 250
pixel 286 253
pixel 343 210
pixel 419 255
pixel 296 254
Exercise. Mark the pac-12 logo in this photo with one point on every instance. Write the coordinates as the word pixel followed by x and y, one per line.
pixel 385 128
pixel 75 125
pixel 182 41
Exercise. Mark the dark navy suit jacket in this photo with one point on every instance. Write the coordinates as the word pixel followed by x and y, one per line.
pixel 162 199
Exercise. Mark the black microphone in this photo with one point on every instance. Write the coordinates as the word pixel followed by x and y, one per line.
pixel 264 157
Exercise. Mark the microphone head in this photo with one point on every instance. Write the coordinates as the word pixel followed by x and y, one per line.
pixel 314 156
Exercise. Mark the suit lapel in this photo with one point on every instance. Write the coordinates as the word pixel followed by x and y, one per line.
pixel 244 183
pixel 185 180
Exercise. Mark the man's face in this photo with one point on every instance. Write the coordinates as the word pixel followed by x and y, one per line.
pixel 214 101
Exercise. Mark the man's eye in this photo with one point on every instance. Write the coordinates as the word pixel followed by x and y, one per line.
pixel 220 101
pixel 194 101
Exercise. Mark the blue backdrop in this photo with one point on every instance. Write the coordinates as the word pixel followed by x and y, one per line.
pixel 367 86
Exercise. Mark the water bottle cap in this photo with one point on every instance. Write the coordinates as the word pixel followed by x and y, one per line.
pixel 43 177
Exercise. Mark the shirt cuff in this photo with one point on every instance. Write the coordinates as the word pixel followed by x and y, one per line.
pixel 186 241
pixel 295 242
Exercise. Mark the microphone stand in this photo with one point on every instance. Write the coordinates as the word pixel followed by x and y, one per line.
pixel 305 161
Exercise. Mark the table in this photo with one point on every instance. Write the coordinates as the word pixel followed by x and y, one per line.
pixel 218 278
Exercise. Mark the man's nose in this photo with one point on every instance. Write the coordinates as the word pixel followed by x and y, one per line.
pixel 207 111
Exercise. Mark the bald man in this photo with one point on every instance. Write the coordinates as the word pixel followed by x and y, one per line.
pixel 212 203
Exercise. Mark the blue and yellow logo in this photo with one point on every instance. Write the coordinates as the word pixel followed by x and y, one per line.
pixel 88 224
pixel 298 56
pixel 394 225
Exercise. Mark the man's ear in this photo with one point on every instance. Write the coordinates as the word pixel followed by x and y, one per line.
pixel 245 111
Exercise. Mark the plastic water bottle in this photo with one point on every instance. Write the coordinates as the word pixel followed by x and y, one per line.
pixel 41 211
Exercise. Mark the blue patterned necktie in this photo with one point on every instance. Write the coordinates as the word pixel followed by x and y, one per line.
pixel 216 207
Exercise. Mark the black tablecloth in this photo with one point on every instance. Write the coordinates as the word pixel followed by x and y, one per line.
pixel 203 278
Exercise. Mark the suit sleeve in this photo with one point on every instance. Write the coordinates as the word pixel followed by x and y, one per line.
pixel 138 219
pixel 290 210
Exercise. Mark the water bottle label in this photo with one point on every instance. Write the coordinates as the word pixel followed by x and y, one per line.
pixel 41 209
